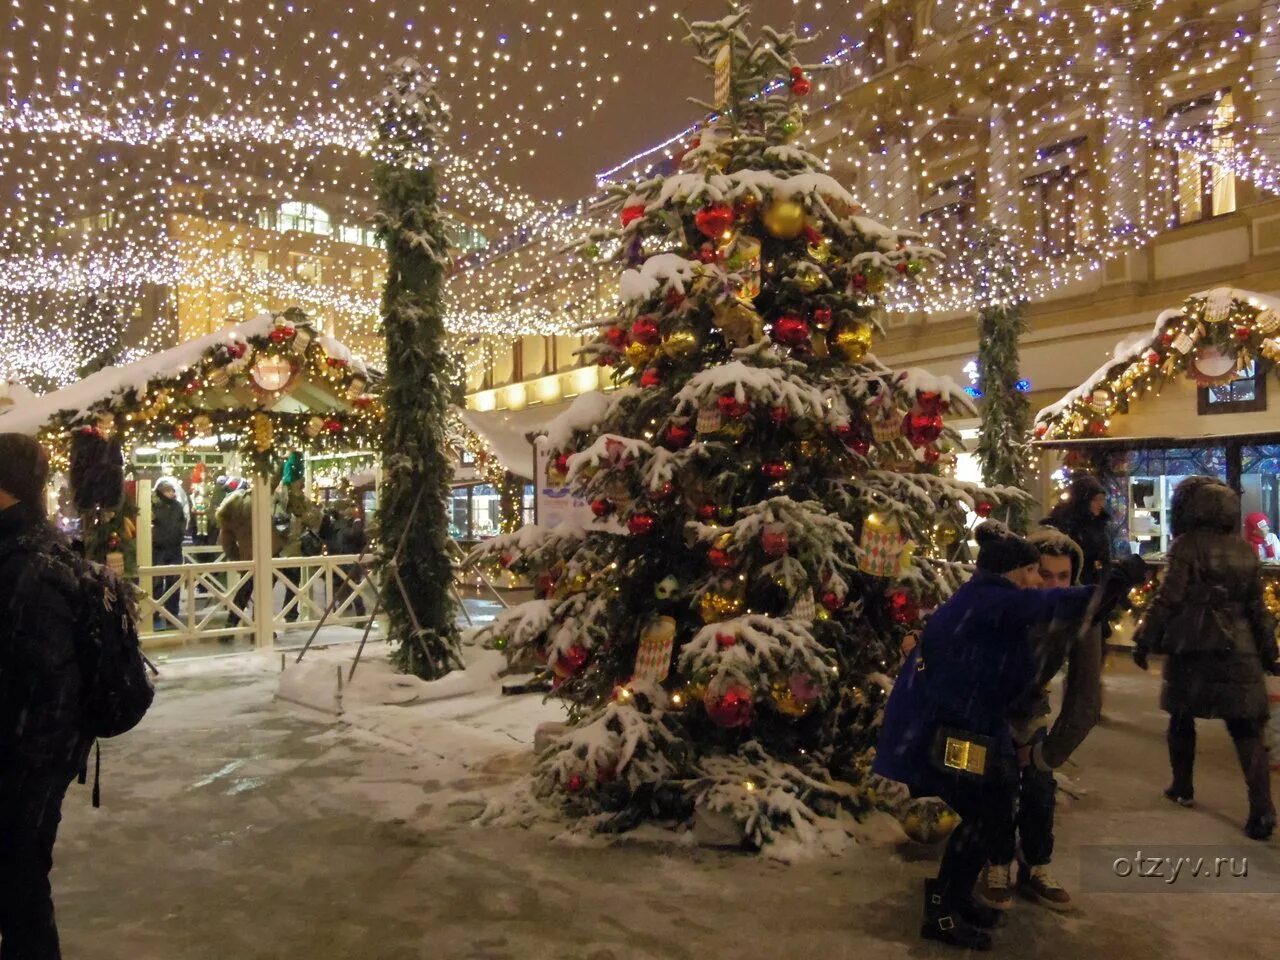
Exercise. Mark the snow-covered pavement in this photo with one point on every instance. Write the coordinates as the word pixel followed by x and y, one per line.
pixel 235 825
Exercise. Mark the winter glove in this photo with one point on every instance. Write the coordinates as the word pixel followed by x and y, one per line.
pixel 1140 657
pixel 1116 582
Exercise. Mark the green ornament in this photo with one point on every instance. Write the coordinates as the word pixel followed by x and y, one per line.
pixel 591 251
pixel 499 643
pixel 726 514
pixel 666 588
pixel 915 267
pixel 789 126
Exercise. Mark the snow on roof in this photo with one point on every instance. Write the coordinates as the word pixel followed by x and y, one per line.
pixel 1136 345
pixel 78 398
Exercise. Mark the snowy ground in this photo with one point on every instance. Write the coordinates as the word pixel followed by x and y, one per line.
pixel 235 825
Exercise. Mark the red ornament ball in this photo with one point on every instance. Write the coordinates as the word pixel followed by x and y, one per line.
pixel 641 524
pixel 859 281
pixel 652 377
pixel 645 330
pixel 861 447
pixel 726 640
pixel 562 462
pixel 780 415
pixel 237 350
pixel 601 508
pixel 797 72
pixel 801 86
pixel 775 542
pixel 709 254
pixel 708 512
pixel 333 426
pixel 822 317
pixel 721 559
pixel 679 436
pixel 730 709
pixel 632 213
pixel 922 428
pixel 1153 358
pixel 791 330
pixel 1243 333
pixel 732 407
pixel 902 608
pixel 574 783
pixel 507 559
pixel 1098 428
pixel 901 266
pixel 674 298
pixel 663 492
pixel 832 601
pixel 983 508
pixel 616 337
pixel 546 585
pixel 776 469
pixel 714 220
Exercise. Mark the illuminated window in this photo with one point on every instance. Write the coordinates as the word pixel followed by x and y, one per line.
pixel 1245 393
pixel 465 239
pixel 1204 137
pixel 305 268
pixel 302 217
pixel 948 215
pixel 1060 199
pixel 359 236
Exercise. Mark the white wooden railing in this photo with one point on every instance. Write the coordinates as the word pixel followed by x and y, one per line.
pixel 216 601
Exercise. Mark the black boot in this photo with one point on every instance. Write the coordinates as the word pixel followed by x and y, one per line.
pixel 978 914
pixel 1182 758
pixel 1255 761
pixel 944 922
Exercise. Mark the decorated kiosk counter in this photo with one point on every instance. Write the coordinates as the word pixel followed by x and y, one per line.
pixel 250 396
pixel 1191 396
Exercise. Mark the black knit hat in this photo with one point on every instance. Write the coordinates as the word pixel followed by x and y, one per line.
pixel 24 468
pixel 1001 550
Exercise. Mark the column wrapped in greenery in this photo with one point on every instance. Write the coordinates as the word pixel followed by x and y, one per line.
pixel 415 562
pixel 1006 413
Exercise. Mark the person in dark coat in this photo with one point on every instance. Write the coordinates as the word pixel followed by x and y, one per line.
pixel 1083 517
pixel 168 531
pixel 972 662
pixel 41 744
pixel 1077 643
pixel 1209 620
pixel 342 531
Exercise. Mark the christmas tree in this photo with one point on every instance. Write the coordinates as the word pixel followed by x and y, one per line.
pixel 1003 440
pixel 773 506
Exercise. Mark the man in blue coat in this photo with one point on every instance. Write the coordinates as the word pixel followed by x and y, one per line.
pixel 945 731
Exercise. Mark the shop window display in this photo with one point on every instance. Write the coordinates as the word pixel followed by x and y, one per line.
pixel 1260 499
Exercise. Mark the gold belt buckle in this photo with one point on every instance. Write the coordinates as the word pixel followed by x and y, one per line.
pixel 965 755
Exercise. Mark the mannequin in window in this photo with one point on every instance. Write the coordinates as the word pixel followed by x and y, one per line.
pixel 1265 543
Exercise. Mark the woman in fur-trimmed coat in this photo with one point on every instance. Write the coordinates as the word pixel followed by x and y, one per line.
pixel 1209 620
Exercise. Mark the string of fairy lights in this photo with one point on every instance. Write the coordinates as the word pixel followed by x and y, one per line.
pixel 112 125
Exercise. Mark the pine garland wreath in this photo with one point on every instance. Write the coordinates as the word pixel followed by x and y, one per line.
pixel 1006 414
pixel 416 469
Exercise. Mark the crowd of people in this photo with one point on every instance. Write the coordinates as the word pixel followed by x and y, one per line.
pixel 968 719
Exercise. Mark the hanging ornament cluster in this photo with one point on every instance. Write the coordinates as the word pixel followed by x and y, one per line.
pixel 924 424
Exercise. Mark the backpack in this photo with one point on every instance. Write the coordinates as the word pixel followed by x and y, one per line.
pixel 117 690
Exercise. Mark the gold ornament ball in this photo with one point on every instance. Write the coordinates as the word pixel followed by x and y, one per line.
pixel 639 354
pixel 785 702
pixel 680 343
pixel 945 533
pixel 906 558
pixel 714 606
pixel 740 323
pixel 784 219
pixel 852 342
pixel 807 448
pixel 733 429
pixel 880 523
pixel 810 280
pixel 820 251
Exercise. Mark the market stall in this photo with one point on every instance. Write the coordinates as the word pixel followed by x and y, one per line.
pixel 213 417
pixel 1191 396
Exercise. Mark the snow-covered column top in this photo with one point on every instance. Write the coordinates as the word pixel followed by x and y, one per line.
pixel 1000 165
pixel 1125 197
pixel 1265 69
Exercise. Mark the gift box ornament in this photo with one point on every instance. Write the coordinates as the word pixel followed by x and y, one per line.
pixel 653 657
pixel 1184 343
pixel 881 546
pixel 805 608
pixel 1217 306
pixel 1268 322
pixel 709 419
pixel 886 422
